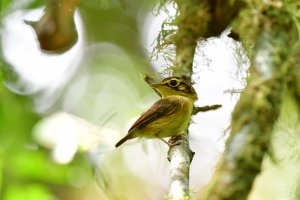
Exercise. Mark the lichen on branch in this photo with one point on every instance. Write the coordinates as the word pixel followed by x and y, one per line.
pixel 195 19
pixel 258 108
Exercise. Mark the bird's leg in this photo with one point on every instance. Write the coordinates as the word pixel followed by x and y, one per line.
pixel 164 141
pixel 173 141
pixel 169 143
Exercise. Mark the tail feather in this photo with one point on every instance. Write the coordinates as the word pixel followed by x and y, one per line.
pixel 124 139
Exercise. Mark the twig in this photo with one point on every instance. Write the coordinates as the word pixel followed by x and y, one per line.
pixel 233 91
pixel 206 108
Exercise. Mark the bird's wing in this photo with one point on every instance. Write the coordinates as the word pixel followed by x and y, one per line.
pixel 161 108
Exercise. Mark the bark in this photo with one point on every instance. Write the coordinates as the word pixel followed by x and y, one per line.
pixel 180 157
pixel 253 120
pixel 194 22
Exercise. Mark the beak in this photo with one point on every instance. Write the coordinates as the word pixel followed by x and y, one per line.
pixel 156 86
pixel 149 80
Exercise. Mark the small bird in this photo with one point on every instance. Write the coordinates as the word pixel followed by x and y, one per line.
pixel 168 116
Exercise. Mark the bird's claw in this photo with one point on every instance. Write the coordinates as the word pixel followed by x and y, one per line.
pixel 176 140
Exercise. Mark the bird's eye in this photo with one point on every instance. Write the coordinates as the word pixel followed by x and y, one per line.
pixel 173 83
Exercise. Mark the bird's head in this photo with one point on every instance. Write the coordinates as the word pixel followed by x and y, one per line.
pixel 175 86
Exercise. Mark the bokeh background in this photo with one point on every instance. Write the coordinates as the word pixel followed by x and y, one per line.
pixel 62 112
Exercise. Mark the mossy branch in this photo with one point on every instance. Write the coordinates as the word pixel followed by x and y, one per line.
pixel 252 123
pixel 258 107
pixel 206 108
pixel 194 21
pixel 185 40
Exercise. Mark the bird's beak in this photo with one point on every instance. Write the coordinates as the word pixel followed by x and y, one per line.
pixel 149 80
pixel 156 87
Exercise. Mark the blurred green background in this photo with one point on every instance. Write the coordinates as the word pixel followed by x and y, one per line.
pixel 104 66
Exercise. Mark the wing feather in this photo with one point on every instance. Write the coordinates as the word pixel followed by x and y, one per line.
pixel 163 107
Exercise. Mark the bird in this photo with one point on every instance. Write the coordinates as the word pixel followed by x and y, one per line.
pixel 170 115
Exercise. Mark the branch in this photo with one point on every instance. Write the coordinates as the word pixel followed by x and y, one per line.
pixel 191 23
pixel 180 157
pixel 206 108
pixel 233 91
pixel 252 121
pixel 56 31
pixel 196 19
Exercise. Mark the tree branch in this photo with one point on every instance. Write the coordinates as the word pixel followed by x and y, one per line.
pixel 56 31
pixel 206 108
pixel 252 120
pixel 196 19
pixel 191 13
pixel 193 22
pixel 180 157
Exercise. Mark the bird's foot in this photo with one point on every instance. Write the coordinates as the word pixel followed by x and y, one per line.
pixel 176 139
pixel 164 141
pixel 179 139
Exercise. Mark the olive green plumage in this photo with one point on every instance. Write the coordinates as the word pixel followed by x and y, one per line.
pixel 168 116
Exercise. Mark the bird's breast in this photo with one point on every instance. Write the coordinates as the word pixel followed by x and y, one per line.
pixel 179 120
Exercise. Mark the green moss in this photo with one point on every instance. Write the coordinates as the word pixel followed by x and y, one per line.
pixel 259 16
pixel 257 111
pixel 179 35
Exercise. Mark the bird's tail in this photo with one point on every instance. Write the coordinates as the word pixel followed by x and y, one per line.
pixel 124 139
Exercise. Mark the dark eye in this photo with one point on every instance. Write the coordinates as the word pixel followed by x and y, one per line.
pixel 173 83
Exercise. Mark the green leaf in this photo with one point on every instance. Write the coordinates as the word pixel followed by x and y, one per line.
pixel 28 192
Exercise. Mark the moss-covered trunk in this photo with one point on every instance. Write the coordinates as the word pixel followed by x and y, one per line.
pixel 273 59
